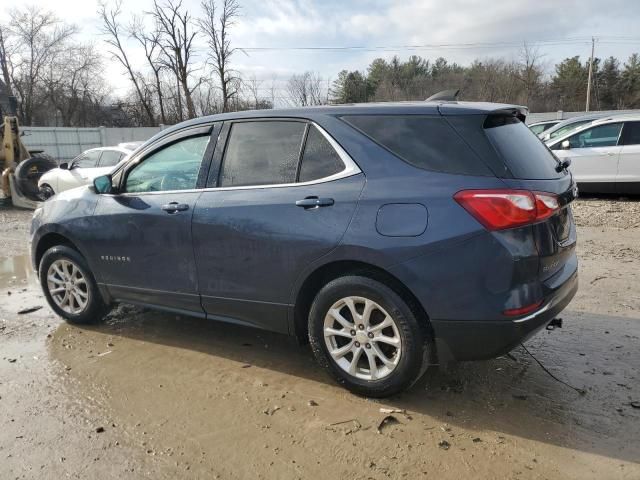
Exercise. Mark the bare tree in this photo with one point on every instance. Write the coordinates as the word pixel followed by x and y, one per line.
pixel 114 33
pixel 150 43
pixel 40 36
pixel 4 62
pixel 305 90
pixel 216 29
pixel 176 35
pixel 73 83
pixel 252 85
pixel 529 70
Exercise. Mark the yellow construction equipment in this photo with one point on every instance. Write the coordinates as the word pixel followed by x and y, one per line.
pixel 20 168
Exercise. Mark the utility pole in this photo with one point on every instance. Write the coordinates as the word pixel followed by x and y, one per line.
pixel 593 42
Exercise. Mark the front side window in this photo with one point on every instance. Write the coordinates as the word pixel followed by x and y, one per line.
pixel 319 159
pixel 110 158
pixel 87 159
pixel 262 153
pixel 174 167
pixel 631 133
pixel 600 136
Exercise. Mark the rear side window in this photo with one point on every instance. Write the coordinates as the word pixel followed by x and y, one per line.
pixel 631 133
pixel 110 158
pixel 319 159
pixel 262 153
pixel 521 150
pixel 424 141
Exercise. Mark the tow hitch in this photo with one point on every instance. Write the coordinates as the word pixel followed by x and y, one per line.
pixel 555 323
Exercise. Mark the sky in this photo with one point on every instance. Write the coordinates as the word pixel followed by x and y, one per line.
pixel 459 30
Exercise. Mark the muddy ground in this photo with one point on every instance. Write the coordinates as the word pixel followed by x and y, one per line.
pixel 152 395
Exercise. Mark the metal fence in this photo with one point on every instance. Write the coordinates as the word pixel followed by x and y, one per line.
pixel 560 115
pixel 65 143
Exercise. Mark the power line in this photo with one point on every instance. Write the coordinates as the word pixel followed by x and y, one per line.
pixel 565 41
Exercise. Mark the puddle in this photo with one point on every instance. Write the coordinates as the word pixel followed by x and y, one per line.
pixel 15 271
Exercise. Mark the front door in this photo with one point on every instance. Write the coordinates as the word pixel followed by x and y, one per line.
pixel 143 237
pixel 276 210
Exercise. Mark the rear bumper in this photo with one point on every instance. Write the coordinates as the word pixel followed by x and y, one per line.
pixel 481 340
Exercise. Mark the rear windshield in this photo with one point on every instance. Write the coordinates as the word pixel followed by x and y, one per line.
pixel 521 150
pixel 424 141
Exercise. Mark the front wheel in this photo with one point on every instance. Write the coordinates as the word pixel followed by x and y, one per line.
pixel 69 286
pixel 366 336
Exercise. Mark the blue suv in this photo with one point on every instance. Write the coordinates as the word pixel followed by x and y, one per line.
pixel 391 236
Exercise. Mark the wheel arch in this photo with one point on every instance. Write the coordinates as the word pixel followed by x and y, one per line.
pixel 48 240
pixel 322 275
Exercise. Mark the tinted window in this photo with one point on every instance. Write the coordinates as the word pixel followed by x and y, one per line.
pixel 174 167
pixel 521 150
pixel 110 158
pixel 319 159
pixel 601 136
pixel 631 134
pixel 262 153
pixel 87 159
pixel 426 142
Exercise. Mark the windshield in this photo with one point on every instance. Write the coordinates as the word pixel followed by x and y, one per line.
pixel 567 128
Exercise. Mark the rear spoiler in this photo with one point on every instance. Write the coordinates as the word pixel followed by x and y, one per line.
pixel 481 108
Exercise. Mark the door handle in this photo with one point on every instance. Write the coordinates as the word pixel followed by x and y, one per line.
pixel 174 207
pixel 314 202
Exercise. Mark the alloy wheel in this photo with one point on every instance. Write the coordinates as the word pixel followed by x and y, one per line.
pixel 362 338
pixel 68 286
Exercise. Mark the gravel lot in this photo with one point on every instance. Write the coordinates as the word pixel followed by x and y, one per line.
pixel 152 395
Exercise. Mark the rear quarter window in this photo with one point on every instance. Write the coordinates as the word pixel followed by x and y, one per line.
pixel 525 155
pixel 424 141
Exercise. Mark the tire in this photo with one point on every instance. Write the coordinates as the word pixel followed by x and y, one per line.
pixel 63 258
pixel 46 192
pixel 402 365
pixel 29 171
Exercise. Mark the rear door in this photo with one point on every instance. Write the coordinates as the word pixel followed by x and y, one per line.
pixel 281 196
pixel 141 236
pixel 594 155
pixel 628 179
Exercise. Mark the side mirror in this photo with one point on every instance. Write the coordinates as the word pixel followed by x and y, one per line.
pixel 64 166
pixel 103 184
pixel 566 145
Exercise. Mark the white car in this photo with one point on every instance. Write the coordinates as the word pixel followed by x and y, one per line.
pixel 540 127
pixel 84 168
pixel 604 154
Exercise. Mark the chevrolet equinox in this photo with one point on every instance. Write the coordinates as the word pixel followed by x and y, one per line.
pixel 391 236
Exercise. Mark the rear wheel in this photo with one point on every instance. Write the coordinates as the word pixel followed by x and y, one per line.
pixel 366 336
pixel 69 286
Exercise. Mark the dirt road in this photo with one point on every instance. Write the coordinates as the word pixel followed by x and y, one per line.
pixel 152 395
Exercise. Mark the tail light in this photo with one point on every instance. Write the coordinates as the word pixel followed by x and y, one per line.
pixel 501 209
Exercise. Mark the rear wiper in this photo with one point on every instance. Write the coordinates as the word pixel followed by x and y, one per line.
pixel 563 164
